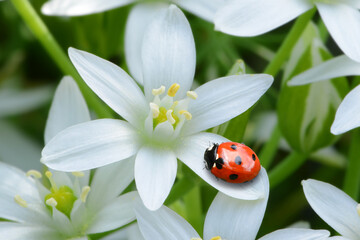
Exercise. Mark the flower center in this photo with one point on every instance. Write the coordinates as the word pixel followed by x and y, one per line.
pixel 62 198
pixel 166 109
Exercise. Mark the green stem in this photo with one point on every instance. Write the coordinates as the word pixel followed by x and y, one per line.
pixel 41 32
pixel 180 188
pixel 194 209
pixel 352 176
pixel 284 51
pixel 268 151
pixel 287 167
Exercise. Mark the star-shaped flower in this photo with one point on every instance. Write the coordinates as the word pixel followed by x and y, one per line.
pixel 163 123
pixel 227 219
pixel 335 207
pixel 71 208
pixel 251 18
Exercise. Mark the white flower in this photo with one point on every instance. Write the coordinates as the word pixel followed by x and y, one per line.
pixel 140 16
pixel 70 208
pixel 335 207
pixel 227 218
pixel 348 114
pixel 251 18
pixel 163 123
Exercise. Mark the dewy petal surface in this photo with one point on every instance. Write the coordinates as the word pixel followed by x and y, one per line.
pixel 168 52
pixel 90 145
pixel 224 98
pixel 80 7
pixel 190 150
pixel 251 18
pixel 334 206
pixel 203 8
pixel 116 177
pixel 155 172
pixel 336 67
pixel 343 23
pixel 163 224
pixel 348 114
pixel 112 84
pixel 68 108
pixel 115 214
pixel 138 20
pixel 227 217
pixel 297 234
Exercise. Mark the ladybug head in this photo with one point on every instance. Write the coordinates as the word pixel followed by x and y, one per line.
pixel 210 156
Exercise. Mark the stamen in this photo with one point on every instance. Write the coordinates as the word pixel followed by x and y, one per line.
pixel 173 89
pixel 216 238
pixel 20 201
pixel 51 202
pixel 158 91
pixel 51 180
pixel 192 94
pixel 187 115
pixel 174 105
pixel 170 117
pixel 195 239
pixel 34 174
pixel 154 109
pixel 358 209
pixel 78 174
pixel 84 193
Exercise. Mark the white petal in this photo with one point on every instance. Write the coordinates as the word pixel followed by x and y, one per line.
pixel 336 67
pixel 114 215
pixel 131 232
pixel 155 172
pixel 168 53
pixel 222 99
pixel 112 84
pixel 227 217
pixel 343 23
pixel 68 108
pixel 90 145
pixel 11 140
pixel 251 18
pixel 163 224
pixel 203 8
pixel 15 231
pixel 62 223
pixel 80 7
pixel 14 102
pixel 334 206
pixel 191 151
pixel 139 18
pixel 116 177
pixel 348 114
pixel 297 234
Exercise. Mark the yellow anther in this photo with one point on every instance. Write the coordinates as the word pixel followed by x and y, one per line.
pixel 34 174
pixel 170 117
pixel 20 201
pixel 158 91
pixel 192 94
pixel 358 209
pixel 84 193
pixel 154 109
pixel 216 238
pixel 51 202
pixel 51 180
pixel 78 174
pixel 173 90
pixel 187 115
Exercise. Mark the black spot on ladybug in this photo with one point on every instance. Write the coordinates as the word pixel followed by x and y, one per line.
pixel 233 147
pixel 220 161
pixel 253 157
pixel 238 160
pixel 219 166
pixel 233 176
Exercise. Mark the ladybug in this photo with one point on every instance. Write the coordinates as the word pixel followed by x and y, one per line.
pixel 233 162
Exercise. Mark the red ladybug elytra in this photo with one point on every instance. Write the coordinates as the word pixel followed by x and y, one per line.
pixel 232 162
